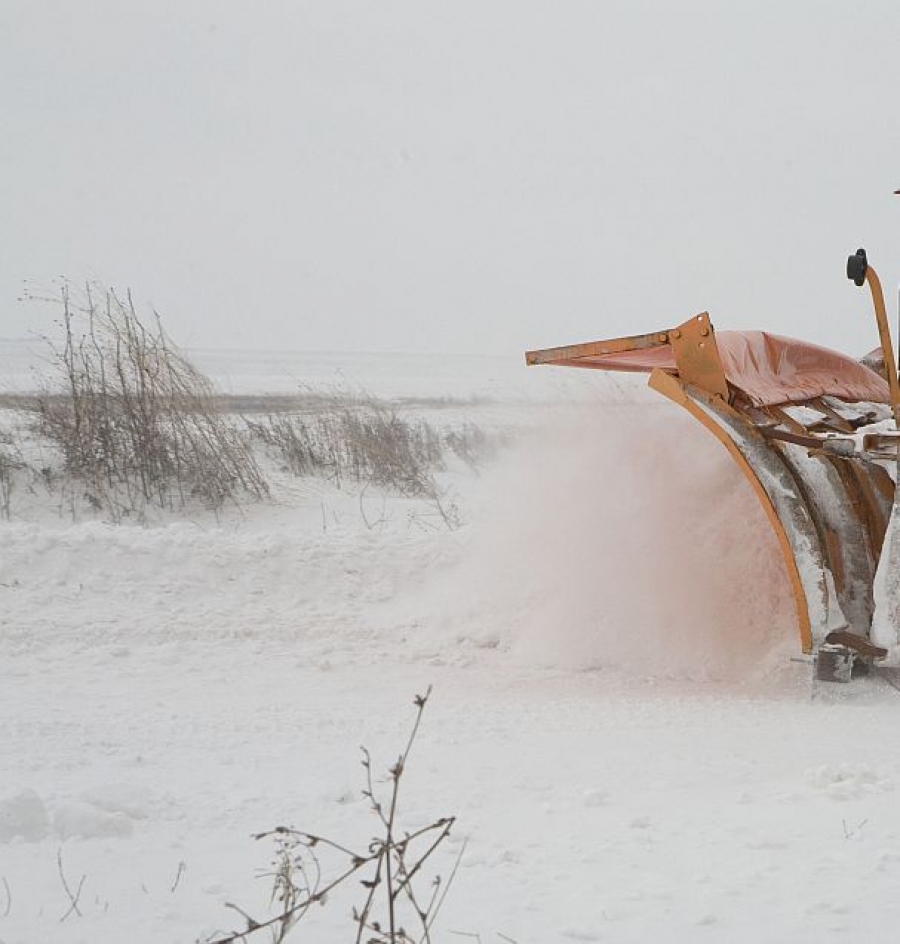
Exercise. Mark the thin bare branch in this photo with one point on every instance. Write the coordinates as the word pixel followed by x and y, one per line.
pixel 181 870
pixel 73 898
pixel 434 914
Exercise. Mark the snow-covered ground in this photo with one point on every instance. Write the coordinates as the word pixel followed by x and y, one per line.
pixel 615 720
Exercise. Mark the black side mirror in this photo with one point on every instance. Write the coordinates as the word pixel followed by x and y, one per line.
pixel 857 266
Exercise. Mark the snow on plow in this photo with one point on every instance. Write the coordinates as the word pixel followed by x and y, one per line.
pixel 815 433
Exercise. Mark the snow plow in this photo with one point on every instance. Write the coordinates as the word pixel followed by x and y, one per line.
pixel 815 433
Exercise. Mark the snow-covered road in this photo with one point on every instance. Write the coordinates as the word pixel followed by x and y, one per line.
pixel 595 809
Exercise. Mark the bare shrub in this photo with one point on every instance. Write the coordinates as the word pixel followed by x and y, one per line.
pixel 392 869
pixel 135 421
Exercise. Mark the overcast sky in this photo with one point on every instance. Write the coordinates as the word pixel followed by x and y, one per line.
pixel 455 176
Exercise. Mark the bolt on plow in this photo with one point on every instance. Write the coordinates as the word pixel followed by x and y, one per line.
pixel 816 435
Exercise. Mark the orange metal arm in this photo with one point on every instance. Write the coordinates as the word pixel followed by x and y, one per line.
pixel 636 342
pixel 692 344
pixel 884 334
pixel 675 390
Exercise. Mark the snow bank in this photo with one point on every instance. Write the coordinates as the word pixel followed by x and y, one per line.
pixel 102 811
pixel 84 821
pixel 23 816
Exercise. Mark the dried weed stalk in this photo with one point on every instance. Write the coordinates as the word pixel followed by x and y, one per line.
pixel 12 467
pixel 391 869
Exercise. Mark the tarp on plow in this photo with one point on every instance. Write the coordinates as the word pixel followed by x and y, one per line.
pixel 768 368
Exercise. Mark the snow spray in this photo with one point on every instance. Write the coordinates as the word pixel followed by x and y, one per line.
pixel 624 537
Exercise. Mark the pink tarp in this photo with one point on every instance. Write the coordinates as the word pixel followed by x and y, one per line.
pixel 768 368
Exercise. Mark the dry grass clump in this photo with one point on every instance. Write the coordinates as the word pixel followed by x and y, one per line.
pixel 362 440
pixel 12 466
pixel 473 445
pixel 135 421
pixel 367 441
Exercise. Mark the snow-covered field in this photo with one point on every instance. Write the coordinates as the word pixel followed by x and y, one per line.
pixel 23 362
pixel 615 720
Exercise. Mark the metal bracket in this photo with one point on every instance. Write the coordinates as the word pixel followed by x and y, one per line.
pixel 697 356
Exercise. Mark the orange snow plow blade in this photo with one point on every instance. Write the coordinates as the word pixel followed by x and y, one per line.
pixel 796 418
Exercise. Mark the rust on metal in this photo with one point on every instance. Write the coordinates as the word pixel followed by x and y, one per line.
pixel 882 445
pixel 798 439
pixel 849 512
pixel 859 644
pixel 832 419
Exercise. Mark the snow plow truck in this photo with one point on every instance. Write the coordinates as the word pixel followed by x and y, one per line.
pixel 816 434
